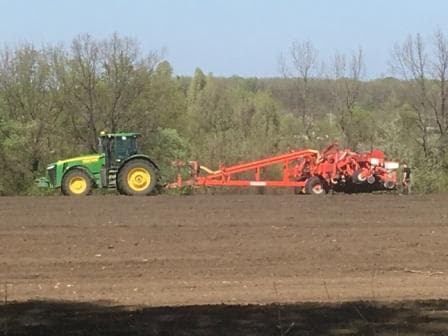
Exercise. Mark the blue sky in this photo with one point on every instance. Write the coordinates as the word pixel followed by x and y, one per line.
pixel 227 37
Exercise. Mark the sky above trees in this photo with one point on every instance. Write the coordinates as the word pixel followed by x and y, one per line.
pixel 227 37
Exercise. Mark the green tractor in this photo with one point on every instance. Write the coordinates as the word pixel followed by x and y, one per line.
pixel 118 165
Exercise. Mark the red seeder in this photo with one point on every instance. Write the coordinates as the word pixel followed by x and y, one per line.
pixel 309 171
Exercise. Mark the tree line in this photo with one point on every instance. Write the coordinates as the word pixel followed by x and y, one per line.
pixel 54 101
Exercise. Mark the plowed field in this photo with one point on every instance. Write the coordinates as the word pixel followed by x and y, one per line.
pixel 231 249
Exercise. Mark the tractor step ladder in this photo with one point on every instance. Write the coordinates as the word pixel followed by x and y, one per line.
pixel 112 178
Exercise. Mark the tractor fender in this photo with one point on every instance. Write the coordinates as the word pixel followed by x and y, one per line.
pixel 84 168
pixel 141 157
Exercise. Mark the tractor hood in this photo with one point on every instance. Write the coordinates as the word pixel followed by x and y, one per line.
pixel 85 159
pixel 91 164
pixel 82 160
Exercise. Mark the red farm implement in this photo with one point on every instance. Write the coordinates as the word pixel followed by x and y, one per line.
pixel 308 171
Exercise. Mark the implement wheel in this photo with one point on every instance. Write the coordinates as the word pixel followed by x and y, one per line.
pixel 358 178
pixel 315 186
pixel 137 178
pixel 76 182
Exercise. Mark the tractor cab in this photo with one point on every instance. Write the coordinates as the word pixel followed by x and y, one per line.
pixel 117 147
pixel 124 168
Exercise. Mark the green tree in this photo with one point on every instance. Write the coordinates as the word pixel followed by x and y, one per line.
pixel 29 93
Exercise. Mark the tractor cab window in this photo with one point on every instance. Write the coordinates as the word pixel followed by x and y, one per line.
pixel 117 148
pixel 124 147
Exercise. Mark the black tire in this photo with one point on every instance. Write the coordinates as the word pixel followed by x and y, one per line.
pixel 315 186
pixel 371 179
pixel 357 177
pixel 76 182
pixel 132 178
pixel 120 191
pixel 298 190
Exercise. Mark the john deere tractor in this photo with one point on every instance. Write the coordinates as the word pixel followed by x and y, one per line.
pixel 117 165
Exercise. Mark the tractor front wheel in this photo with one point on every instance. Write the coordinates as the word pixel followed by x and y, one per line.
pixel 137 178
pixel 76 182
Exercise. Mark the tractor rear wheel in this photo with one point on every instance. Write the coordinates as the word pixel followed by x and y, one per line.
pixel 315 186
pixel 137 178
pixel 76 182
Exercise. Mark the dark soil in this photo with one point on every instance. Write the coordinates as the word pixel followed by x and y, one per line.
pixel 221 261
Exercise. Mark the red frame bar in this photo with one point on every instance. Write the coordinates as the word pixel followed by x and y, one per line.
pixel 225 176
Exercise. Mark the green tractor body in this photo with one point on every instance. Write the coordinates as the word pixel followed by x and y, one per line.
pixel 117 165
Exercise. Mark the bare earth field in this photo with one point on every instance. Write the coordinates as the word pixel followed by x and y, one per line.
pixel 224 264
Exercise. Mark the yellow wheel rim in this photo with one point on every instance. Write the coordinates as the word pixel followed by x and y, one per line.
pixel 77 185
pixel 139 179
